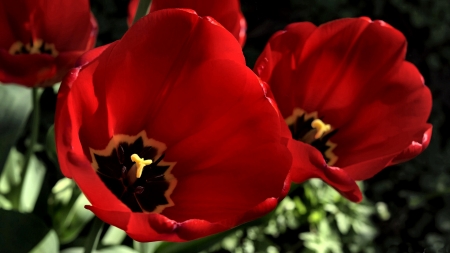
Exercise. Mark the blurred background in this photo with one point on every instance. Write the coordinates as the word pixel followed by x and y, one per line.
pixel 406 208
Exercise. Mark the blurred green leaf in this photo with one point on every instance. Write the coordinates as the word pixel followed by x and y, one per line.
pixel 10 176
pixel 67 210
pixel 32 184
pixel 113 249
pixel 50 146
pixel 75 220
pixel 149 247
pixel 299 205
pixel 49 244
pixel 193 246
pixel 114 236
pixel 15 107
pixel 5 203
pixel 316 216
pixel 20 232
pixel 383 211
pixel 343 223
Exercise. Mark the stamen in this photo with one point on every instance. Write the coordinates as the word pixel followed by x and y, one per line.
pixel 37 46
pixel 140 163
pixel 16 47
pixel 320 127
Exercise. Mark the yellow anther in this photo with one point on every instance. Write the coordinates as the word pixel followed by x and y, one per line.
pixel 140 163
pixel 15 47
pixel 320 127
pixel 35 47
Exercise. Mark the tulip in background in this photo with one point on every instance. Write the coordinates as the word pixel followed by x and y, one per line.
pixel 226 12
pixel 41 40
pixel 345 88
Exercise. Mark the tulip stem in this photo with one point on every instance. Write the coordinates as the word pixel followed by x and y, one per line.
pixel 34 129
pixel 34 132
pixel 94 235
pixel 142 9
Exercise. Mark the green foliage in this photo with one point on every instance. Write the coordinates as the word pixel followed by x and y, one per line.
pixel 67 210
pixel 322 220
pixel 20 232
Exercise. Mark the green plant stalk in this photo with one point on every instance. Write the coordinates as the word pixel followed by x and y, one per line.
pixel 94 235
pixel 142 9
pixel 34 132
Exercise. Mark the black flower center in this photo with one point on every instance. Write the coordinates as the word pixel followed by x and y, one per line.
pixel 300 124
pixel 148 193
pixel 33 47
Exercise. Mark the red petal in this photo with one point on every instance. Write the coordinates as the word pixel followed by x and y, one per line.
pixel 54 23
pixel 117 77
pixel 226 12
pixel 145 227
pixel 29 70
pixel 389 124
pixel 417 146
pixel 91 55
pixel 6 32
pixel 277 62
pixel 308 163
pixel 132 8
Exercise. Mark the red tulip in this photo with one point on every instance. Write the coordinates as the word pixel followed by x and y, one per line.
pixel 350 77
pixel 168 134
pixel 42 39
pixel 226 12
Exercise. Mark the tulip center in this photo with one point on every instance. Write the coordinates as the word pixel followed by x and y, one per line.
pixel 133 169
pixel 308 128
pixel 33 47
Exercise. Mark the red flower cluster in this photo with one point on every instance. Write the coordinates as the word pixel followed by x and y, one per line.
pixel 345 88
pixel 42 39
pixel 226 12
pixel 171 137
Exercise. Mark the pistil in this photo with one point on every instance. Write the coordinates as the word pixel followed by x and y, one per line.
pixel 321 128
pixel 140 164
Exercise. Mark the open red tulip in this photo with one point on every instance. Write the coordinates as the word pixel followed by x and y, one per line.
pixel 346 89
pixel 168 133
pixel 42 39
pixel 226 12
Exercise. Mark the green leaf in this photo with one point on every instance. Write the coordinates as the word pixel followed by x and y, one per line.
pixel 15 107
pixel 32 184
pixel 75 220
pixel 11 174
pixel 113 249
pixel 20 232
pixel 343 223
pixel 193 246
pixel 49 244
pixel 301 208
pixel 50 146
pixel 149 247
pixel 316 216
pixel 114 236
pixel 66 206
